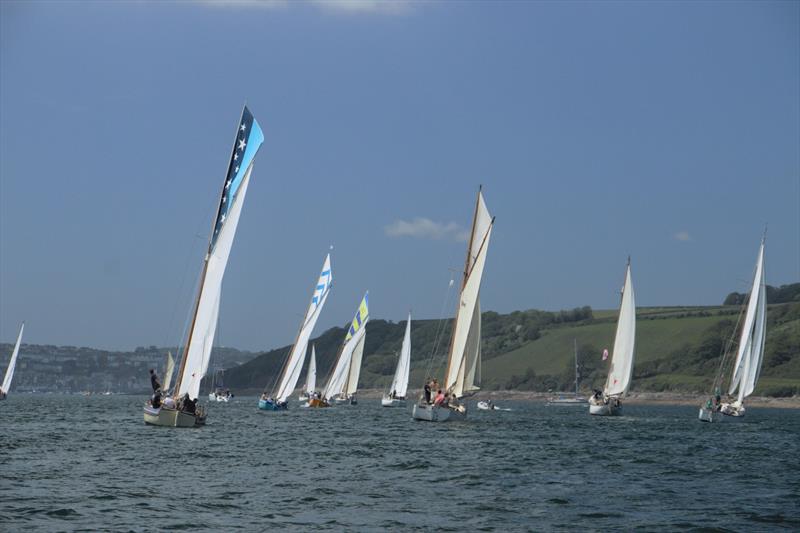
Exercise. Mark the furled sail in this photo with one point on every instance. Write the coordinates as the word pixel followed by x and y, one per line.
pixel 197 352
pixel 747 367
pixel 294 364
pixel 463 369
pixel 344 377
pixel 12 363
pixel 621 370
pixel 311 376
pixel 400 381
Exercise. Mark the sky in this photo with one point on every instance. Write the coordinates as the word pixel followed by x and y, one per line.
pixel 667 131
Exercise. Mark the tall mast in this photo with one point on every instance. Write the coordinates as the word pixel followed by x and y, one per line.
pixel 205 261
pixel 575 341
pixel 463 284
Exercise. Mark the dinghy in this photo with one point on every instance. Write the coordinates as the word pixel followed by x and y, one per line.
pixel 463 375
pixel 12 364
pixel 609 401
pixel 488 405
pixel 397 391
pixel 749 356
pixel 290 372
pixel 181 409
pixel 568 401
pixel 343 382
pixel 311 378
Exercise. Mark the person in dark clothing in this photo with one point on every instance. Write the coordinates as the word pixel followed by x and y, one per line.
pixel 155 401
pixel 428 393
pixel 188 406
pixel 154 380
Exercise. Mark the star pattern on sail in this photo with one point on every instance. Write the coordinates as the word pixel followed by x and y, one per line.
pixel 248 139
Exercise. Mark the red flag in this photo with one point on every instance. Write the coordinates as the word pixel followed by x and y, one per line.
pixel 605 354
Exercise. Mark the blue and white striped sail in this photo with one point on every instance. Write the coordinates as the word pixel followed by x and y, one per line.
pixel 197 353
pixel 294 364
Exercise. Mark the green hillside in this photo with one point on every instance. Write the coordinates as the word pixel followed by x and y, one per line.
pixel 677 348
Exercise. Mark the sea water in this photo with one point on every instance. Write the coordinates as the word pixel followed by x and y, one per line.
pixel 70 463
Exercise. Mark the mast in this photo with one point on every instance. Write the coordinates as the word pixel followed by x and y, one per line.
pixel 463 284
pixel 205 260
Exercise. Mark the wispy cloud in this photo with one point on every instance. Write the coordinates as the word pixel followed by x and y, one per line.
pixel 381 7
pixel 425 228
pixel 682 236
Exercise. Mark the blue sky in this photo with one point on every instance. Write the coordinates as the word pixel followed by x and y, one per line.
pixel 667 131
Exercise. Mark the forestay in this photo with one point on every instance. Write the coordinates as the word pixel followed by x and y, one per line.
pixel 463 370
pixel 621 370
pixel 12 363
pixel 294 364
pixel 201 334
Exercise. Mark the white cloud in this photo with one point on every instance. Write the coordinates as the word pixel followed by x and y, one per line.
pixel 383 7
pixel 263 4
pixel 682 236
pixel 425 228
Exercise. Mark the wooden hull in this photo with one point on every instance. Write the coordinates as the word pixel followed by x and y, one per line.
pixel 435 413
pixel 172 418
pixel 316 402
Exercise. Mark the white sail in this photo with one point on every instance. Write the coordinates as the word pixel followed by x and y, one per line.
pixel 294 364
pixel 204 324
pixel 169 369
pixel 311 376
pixel 747 367
pixel 12 363
pixel 621 370
pixel 400 381
pixel 342 374
pixel 463 370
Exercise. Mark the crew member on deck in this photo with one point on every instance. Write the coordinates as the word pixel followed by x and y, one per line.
pixel 154 380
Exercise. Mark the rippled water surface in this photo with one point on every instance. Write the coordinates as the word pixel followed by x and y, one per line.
pixel 89 463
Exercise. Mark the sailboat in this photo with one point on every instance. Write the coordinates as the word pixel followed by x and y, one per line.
pixel 218 391
pixel 311 378
pixel 609 401
pixel 567 400
pixel 12 363
pixel 749 356
pixel 290 372
pixel 180 409
pixel 463 374
pixel 397 391
pixel 343 382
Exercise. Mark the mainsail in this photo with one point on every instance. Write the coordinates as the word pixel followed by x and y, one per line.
pixel 621 369
pixel 311 376
pixel 197 351
pixel 400 381
pixel 344 378
pixel 747 367
pixel 12 363
pixel 294 364
pixel 464 361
